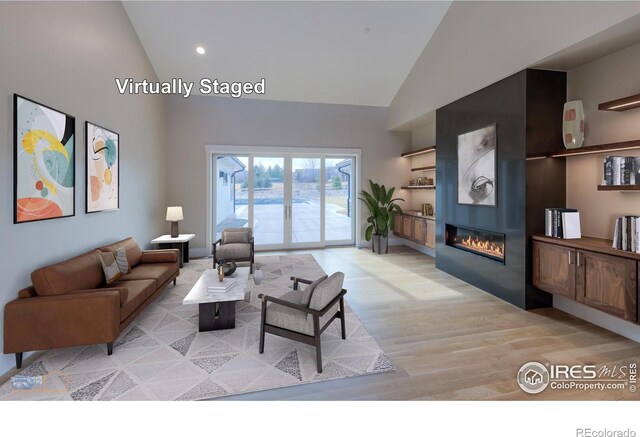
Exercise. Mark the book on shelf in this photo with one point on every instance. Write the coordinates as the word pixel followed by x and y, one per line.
pixel 621 170
pixel 221 286
pixel 554 222
pixel 571 225
pixel 626 234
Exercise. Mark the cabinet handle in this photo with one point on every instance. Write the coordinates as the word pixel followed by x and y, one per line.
pixel 570 252
pixel 578 258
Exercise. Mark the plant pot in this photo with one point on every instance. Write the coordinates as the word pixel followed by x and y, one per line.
pixel 380 244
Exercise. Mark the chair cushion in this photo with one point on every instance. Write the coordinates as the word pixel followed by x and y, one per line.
pixel 78 273
pixel 132 248
pixel 159 272
pixel 306 294
pixel 288 318
pixel 234 251
pixel 326 291
pixel 236 235
pixel 138 292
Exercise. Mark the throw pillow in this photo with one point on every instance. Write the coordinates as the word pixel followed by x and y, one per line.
pixel 121 259
pixel 110 268
pixel 229 237
pixel 306 294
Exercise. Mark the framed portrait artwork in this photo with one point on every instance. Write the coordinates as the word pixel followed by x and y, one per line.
pixel 477 183
pixel 43 162
pixel 102 168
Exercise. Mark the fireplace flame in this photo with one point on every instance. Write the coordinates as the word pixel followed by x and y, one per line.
pixel 483 246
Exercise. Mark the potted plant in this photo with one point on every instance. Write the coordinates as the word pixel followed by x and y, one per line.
pixel 382 209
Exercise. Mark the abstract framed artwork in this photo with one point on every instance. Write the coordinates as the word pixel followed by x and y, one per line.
pixel 43 162
pixel 477 156
pixel 102 168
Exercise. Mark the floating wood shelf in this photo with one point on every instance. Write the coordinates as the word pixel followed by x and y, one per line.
pixel 600 148
pixel 428 167
pixel 419 152
pixel 620 105
pixel 618 187
pixel 419 187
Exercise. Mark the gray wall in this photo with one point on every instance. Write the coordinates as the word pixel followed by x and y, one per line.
pixel 205 120
pixel 66 55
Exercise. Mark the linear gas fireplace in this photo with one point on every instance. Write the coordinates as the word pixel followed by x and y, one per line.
pixel 484 243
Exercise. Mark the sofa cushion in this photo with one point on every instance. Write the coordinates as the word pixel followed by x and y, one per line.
pixel 131 246
pixel 78 273
pixel 138 291
pixel 233 251
pixel 159 272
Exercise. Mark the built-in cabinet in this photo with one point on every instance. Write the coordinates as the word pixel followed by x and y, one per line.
pixel 419 229
pixel 589 271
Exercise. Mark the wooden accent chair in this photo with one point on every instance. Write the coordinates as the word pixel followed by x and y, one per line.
pixel 236 244
pixel 303 315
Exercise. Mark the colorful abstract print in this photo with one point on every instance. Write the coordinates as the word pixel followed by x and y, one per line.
pixel 102 169
pixel 44 162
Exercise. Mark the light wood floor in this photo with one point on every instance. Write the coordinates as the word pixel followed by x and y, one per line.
pixel 450 340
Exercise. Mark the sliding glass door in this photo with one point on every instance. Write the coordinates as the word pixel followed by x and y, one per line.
pixel 290 200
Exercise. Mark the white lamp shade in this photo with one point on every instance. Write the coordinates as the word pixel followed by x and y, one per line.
pixel 174 214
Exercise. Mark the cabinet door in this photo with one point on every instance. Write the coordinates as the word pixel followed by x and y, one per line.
pixel 554 269
pixel 397 225
pixel 430 239
pixel 407 227
pixel 607 283
pixel 419 230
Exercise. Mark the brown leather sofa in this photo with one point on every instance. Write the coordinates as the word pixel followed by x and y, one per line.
pixel 69 303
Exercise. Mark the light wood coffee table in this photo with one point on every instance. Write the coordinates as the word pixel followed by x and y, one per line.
pixel 217 310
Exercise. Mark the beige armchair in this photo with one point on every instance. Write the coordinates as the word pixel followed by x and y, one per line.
pixel 235 244
pixel 303 315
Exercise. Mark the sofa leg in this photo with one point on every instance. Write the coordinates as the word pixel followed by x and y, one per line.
pixel 109 348
pixel 342 321
pixel 262 322
pixel 174 281
pixel 18 360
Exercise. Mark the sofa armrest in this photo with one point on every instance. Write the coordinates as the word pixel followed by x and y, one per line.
pixel 160 256
pixel 122 291
pixel 67 320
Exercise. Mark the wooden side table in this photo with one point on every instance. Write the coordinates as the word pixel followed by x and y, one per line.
pixel 181 242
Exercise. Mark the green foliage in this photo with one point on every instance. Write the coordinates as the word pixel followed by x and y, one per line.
pixel 382 207
pixel 336 183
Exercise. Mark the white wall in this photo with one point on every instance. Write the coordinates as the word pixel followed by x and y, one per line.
pixel 206 120
pixel 607 78
pixel 66 55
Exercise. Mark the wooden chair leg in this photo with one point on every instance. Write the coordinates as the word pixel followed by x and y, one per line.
pixel 342 320
pixel 262 322
pixel 316 334
pixel 174 281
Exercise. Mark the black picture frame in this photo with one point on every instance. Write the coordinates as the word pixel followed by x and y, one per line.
pixel 89 139
pixel 26 207
pixel 492 179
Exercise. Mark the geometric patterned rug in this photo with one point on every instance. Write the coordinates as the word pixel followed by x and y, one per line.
pixel 162 356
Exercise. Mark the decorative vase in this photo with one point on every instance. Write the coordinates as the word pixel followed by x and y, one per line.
pixel 257 276
pixel 229 268
pixel 220 273
pixel 573 124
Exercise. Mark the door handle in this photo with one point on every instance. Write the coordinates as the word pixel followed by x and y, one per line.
pixel 578 259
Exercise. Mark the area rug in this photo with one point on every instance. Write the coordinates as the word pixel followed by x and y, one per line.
pixel 162 356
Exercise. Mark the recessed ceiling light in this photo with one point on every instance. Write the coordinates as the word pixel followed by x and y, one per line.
pixel 200 50
pixel 367 30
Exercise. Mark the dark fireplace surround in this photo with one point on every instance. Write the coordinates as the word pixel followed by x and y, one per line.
pixel 526 109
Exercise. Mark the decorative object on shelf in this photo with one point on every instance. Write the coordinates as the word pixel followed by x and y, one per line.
pixel 427 209
pixel 477 167
pixel 220 269
pixel 229 268
pixel 382 206
pixel 257 276
pixel 626 235
pixel 623 104
pixel 174 215
pixel 428 181
pixel 412 182
pixel 43 162
pixel 573 124
pixel 421 182
pixel 101 169
pixel 621 170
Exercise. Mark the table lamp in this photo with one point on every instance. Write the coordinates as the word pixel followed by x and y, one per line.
pixel 174 215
